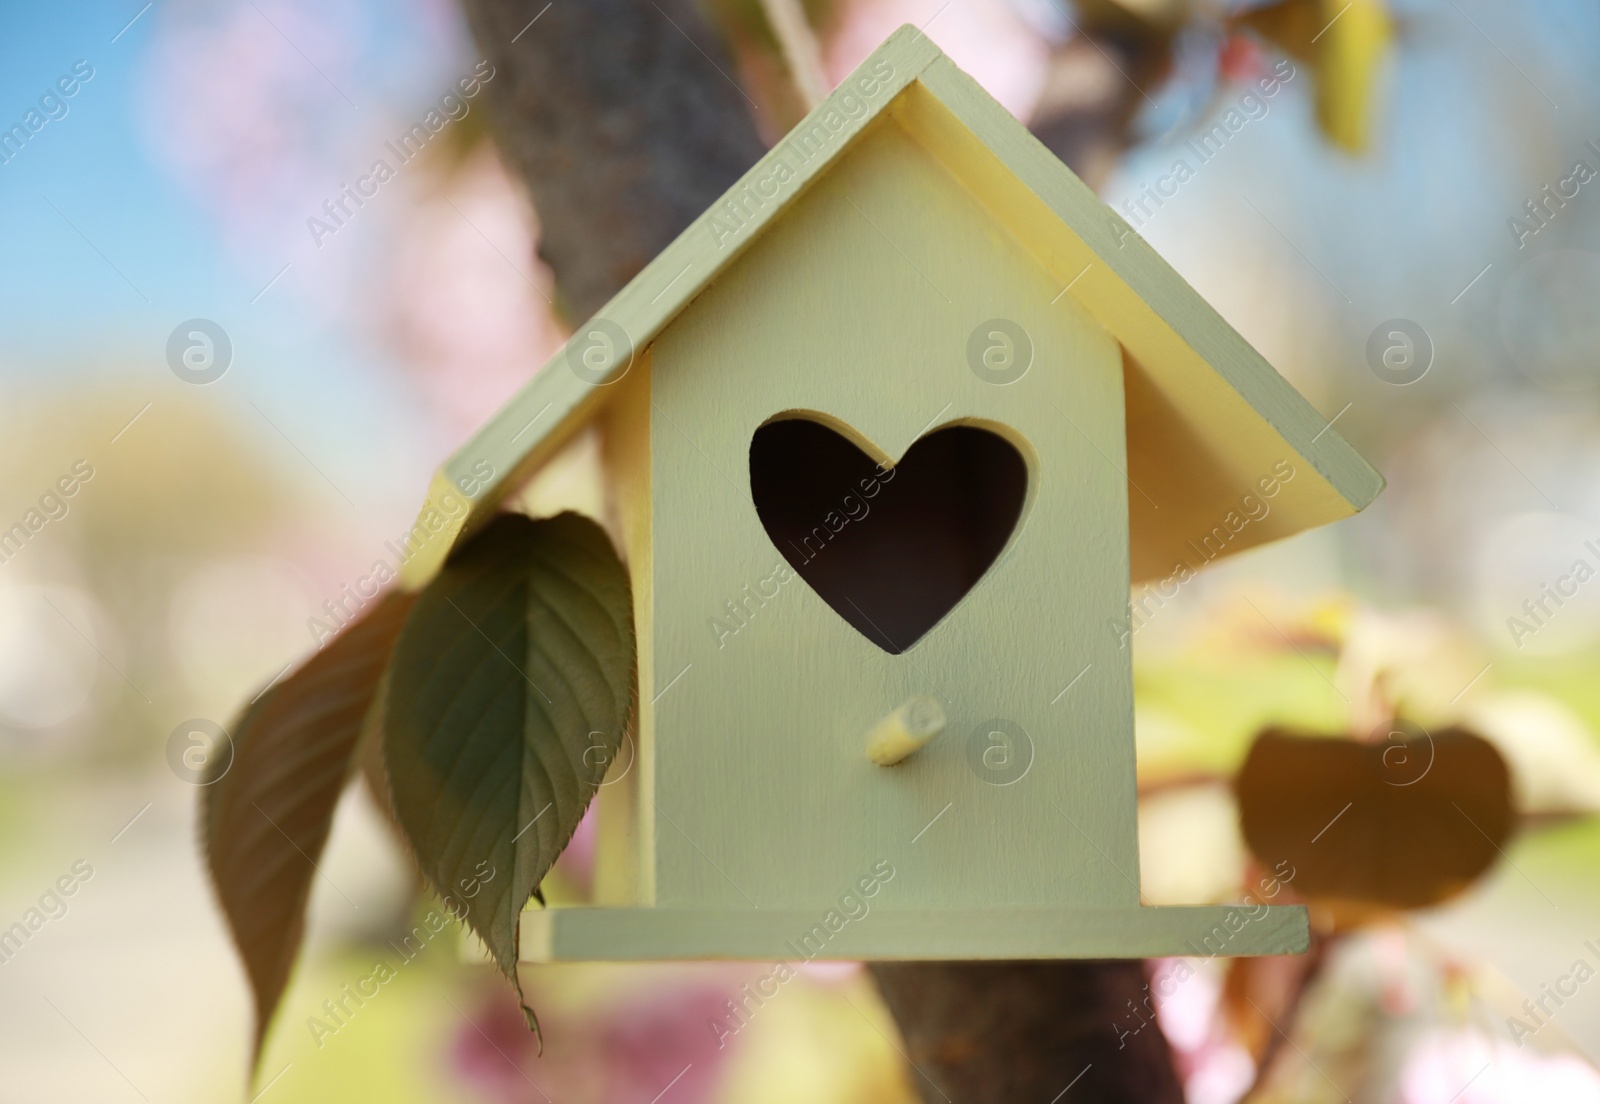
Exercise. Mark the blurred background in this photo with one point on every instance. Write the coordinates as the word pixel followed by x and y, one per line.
pixel 1408 228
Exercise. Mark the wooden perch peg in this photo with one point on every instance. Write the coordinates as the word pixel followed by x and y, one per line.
pixel 905 730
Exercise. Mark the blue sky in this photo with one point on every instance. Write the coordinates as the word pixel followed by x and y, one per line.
pixel 91 165
pixel 104 250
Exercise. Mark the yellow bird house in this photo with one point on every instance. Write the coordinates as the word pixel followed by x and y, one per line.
pixel 888 432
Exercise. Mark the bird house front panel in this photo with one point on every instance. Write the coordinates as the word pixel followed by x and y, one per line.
pixel 889 566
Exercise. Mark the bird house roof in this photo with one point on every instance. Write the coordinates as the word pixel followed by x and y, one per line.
pixel 1209 421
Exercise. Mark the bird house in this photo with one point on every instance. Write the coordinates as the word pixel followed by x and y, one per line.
pixel 889 432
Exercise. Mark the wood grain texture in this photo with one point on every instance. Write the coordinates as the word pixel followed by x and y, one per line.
pixel 878 276
pixel 624 870
pixel 885 932
pixel 1220 396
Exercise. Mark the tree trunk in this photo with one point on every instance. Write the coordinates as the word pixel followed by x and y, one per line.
pixel 624 120
pixel 1001 1032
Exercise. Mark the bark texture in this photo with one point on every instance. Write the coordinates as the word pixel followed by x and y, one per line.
pixel 1001 1032
pixel 624 121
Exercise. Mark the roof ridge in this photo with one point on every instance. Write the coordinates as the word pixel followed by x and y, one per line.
pixel 1156 315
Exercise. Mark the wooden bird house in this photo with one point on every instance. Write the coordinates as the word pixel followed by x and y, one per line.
pixel 889 430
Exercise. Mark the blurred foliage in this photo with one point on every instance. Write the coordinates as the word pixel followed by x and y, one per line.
pixel 1344 42
pixel 182 483
pixel 748 19
pixel 1206 707
pixel 1379 822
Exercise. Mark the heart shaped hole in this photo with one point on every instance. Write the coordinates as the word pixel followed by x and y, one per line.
pixel 892 550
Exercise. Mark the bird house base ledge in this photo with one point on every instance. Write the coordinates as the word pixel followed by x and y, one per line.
pixel 880 933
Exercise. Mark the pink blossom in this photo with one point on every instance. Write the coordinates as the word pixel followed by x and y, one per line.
pixel 990 42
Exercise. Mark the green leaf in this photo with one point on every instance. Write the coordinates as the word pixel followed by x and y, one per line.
pixel 266 813
pixel 508 693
